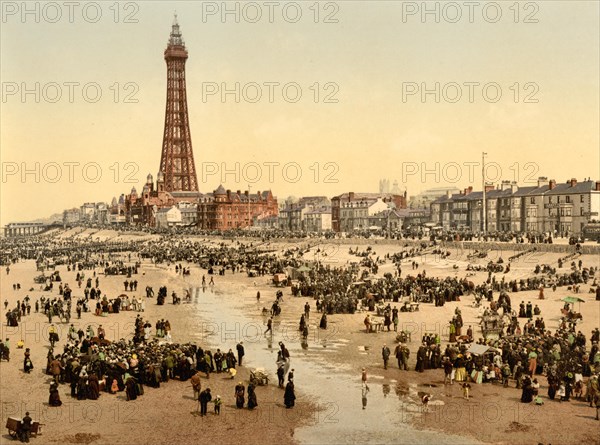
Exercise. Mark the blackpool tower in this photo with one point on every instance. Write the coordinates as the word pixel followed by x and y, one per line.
pixel 177 158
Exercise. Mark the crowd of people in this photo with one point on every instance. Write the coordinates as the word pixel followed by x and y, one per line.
pixel 93 366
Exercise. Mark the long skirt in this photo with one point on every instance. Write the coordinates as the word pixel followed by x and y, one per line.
pixel 461 374
pixel 131 390
pixel 239 401
pixel 252 402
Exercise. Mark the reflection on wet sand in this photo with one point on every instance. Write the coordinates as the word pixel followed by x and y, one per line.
pixel 340 419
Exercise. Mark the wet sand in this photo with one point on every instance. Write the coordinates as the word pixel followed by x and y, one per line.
pixel 327 371
pixel 162 415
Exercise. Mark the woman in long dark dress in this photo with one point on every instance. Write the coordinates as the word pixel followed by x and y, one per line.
pixel 552 386
pixel 131 389
pixel 27 364
pixel 82 390
pixel 289 395
pixel 323 324
pixel 54 399
pixel 252 401
pixel 527 394
pixel 240 392
pixel 93 387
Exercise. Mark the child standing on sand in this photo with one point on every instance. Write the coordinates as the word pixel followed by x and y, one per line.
pixel 217 403
pixel 466 386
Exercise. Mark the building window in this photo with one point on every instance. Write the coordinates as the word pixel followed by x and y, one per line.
pixel 567 199
pixel 550 199
pixel 581 198
pixel 581 211
pixel 532 200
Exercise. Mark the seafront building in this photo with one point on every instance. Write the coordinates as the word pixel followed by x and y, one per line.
pixel 563 208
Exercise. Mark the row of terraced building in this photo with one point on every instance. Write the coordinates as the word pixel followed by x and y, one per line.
pixel 545 207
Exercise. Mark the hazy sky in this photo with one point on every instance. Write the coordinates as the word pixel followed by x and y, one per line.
pixel 361 116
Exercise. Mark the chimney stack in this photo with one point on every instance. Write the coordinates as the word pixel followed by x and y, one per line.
pixel 489 187
pixel 542 180
pixel 351 196
pixel 573 182
pixel 598 186
pixel 551 184
pixel 228 195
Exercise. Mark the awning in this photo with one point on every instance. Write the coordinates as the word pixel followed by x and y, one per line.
pixel 573 300
pixel 477 349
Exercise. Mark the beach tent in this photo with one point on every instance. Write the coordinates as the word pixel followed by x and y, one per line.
pixel 479 350
pixel 574 300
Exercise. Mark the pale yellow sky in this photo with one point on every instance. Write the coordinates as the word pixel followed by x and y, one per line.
pixel 364 62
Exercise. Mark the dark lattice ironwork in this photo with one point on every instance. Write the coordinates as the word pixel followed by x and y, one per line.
pixel 177 159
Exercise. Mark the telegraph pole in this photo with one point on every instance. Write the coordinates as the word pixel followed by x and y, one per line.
pixel 484 204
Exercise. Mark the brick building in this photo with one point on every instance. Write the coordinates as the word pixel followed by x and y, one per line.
pixel 223 209
pixel 141 209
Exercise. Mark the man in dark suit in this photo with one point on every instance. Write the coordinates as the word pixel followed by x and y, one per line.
pixel 240 352
pixel 25 428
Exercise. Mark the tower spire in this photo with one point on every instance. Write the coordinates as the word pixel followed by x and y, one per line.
pixel 177 159
pixel 175 38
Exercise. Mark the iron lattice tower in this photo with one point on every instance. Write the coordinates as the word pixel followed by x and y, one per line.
pixel 177 158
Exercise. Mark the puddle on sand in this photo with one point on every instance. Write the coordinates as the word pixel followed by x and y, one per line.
pixel 332 387
pixel 401 390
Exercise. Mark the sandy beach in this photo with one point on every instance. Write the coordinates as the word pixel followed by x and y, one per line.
pixel 327 370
